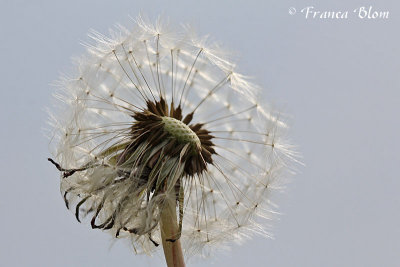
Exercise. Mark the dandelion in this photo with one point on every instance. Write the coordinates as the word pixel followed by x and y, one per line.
pixel 160 140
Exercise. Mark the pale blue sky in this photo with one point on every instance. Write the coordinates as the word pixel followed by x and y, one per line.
pixel 338 79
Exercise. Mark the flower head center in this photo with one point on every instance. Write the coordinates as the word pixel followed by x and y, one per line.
pixel 164 129
pixel 180 131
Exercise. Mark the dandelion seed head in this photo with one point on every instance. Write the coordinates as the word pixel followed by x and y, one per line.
pixel 149 111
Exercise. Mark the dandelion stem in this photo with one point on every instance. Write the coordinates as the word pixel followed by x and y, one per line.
pixel 169 230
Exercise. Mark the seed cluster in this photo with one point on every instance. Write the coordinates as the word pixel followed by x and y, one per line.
pixel 159 123
pixel 181 131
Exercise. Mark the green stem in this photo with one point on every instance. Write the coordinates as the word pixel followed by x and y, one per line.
pixel 169 230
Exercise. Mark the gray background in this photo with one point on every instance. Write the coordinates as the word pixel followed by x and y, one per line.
pixel 339 79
